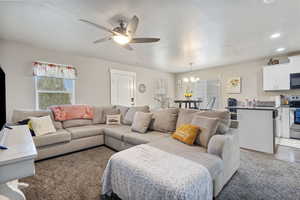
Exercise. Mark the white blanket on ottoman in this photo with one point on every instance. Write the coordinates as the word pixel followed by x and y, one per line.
pixel 145 172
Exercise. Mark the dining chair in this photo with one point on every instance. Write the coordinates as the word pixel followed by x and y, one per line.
pixel 210 104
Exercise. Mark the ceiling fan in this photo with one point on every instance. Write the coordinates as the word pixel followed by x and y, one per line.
pixel 122 34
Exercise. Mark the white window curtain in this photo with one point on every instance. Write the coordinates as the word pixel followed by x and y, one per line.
pixel 54 70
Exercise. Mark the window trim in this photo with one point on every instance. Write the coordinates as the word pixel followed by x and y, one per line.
pixel 51 91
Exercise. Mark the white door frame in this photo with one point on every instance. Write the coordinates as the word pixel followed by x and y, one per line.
pixel 120 72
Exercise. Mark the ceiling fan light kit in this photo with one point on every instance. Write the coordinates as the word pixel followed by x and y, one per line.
pixel 121 39
pixel 123 34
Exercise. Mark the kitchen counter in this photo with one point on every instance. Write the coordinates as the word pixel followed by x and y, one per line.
pixel 252 108
pixel 257 127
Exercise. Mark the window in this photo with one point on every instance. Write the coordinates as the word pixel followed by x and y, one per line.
pixel 53 91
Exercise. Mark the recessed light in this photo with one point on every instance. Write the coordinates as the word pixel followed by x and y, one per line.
pixel 269 1
pixel 280 49
pixel 275 35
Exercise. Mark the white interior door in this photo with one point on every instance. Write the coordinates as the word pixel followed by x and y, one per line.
pixel 123 87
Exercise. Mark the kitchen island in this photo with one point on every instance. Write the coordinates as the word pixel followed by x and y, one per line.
pixel 257 128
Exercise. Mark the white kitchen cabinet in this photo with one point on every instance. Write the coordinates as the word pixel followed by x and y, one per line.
pixel 276 77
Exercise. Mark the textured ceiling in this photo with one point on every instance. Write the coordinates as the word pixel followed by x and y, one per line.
pixel 205 32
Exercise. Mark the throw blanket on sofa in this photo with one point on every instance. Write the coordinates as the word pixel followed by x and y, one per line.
pixel 68 112
pixel 145 172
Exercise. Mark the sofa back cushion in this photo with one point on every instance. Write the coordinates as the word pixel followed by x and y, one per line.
pixel 76 122
pixel 19 115
pixel 222 115
pixel 185 116
pixel 100 113
pixel 128 119
pixel 141 122
pixel 208 128
pixel 164 120
pixel 123 110
pixel 57 124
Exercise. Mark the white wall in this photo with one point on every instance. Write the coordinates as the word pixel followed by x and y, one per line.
pixel 251 85
pixel 92 85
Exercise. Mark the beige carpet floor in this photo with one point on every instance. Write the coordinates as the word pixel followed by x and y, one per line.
pixel 74 176
pixel 77 176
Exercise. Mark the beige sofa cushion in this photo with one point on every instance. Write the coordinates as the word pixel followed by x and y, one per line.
pixel 197 154
pixel 134 138
pixel 208 128
pixel 57 124
pixel 131 112
pixel 59 136
pixel 76 123
pixel 101 112
pixel 141 122
pixel 19 115
pixel 123 110
pixel 85 131
pixel 185 116
pixel 222 115
pixel 164 120
pixel 117 131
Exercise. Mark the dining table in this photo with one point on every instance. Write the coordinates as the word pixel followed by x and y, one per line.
pixel 188 103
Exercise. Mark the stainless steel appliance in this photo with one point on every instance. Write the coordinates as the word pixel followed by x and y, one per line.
pixel 295 81
pixel 294 102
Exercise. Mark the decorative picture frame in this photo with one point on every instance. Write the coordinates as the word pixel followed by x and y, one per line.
pixel 233 85
pixel 142 88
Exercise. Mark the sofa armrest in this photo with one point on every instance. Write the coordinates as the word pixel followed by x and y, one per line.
pixel 226 147
pixel 217 145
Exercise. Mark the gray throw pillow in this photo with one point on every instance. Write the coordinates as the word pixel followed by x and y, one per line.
pixel 208 128
pixel 185 116
pixel 141 122
pixel 101 112
pixel 128 119
pixel 222 115
pixel 123 111
pixel 164 120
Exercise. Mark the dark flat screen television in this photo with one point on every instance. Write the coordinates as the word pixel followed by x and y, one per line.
pixel 2 99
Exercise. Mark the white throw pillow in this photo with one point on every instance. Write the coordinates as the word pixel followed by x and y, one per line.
pixel 42 125
pixel 113 119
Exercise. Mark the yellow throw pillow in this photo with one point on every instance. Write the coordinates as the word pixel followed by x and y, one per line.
pixel 30 125
pixel 186 133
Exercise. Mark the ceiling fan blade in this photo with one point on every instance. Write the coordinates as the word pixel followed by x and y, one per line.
pixel 102 40
pixel 128 47
pixel 144 40
pixel 96 25
pixel 132 26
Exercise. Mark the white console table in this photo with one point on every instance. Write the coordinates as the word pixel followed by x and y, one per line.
pixel 16 162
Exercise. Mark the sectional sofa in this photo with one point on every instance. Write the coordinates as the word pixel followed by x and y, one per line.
pixel 221 157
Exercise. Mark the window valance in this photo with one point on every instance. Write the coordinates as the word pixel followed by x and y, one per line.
pixel 54 70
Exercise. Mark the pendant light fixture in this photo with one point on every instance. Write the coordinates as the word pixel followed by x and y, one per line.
pixel 191 79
